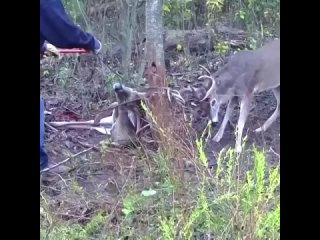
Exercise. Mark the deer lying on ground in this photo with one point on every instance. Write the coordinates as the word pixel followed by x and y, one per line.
pixel 126 115
pixel 246 74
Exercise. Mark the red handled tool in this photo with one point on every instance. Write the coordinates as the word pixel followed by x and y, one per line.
pixel 75 50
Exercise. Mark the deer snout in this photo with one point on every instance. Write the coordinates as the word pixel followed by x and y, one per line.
pixel 117 87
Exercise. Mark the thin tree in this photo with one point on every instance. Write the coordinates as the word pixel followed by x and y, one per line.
pixel 155 68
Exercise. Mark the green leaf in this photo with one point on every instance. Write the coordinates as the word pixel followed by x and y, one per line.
pixel 242 15
pixel 166 8
pixel 148 193
pixel 126 211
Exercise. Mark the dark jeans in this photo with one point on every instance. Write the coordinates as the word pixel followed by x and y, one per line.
pixel 43 154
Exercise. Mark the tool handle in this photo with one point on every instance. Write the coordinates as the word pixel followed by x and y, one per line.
pixel 73 51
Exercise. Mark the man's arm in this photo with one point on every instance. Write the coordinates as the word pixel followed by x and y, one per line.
pixel 57 27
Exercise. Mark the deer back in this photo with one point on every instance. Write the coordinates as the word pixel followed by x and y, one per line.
pixel 250 71
pixel 237 76
pixel 268 72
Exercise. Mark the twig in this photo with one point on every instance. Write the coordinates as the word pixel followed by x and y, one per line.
pixel 275 153
pixel 101 62
pixel 88 145
pixel 74 216
pixel 204 68
pixel 66 160
pixel 71 111
pixel 176 74
pixel 119 104
pixel 49 126
pixel 64 181
pixel 141 129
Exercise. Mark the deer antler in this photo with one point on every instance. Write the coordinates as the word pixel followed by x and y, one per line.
pixel 213 85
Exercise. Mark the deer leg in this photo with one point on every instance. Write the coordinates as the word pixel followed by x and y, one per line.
pixel 275 114
pixel 138 125
pixel 132 118
pixel 244 111
pixel 226 119
pixel 214 110
pixel 135 118
pixel 115 114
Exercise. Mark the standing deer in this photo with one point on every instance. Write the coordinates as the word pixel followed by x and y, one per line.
pixel 246 74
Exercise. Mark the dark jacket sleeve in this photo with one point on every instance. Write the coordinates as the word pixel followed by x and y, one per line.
pixel 58 28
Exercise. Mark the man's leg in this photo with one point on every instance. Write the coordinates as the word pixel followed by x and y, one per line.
pixel 43 154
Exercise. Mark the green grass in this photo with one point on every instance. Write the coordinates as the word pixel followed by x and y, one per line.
pixel 225 204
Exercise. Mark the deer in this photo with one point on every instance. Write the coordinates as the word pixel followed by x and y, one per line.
pixel 126 116
pixel 128 100
pixel 246 74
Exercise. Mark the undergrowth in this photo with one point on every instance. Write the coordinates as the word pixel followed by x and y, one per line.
pixel 230 202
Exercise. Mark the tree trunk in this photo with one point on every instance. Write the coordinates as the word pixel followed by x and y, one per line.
pixel 155 68
pixel 154 32
pixel 165 130
pixel 200 13
pixel 128 20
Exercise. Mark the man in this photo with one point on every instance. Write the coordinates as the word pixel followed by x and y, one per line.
pixel 57 28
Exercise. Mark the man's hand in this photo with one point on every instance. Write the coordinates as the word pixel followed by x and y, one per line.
pixel 51 50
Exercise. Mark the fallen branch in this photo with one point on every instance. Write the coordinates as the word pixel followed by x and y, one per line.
pixel 88 145
pixel 101 129
pixel 52 128
pixel 66 160
pixel 106 122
